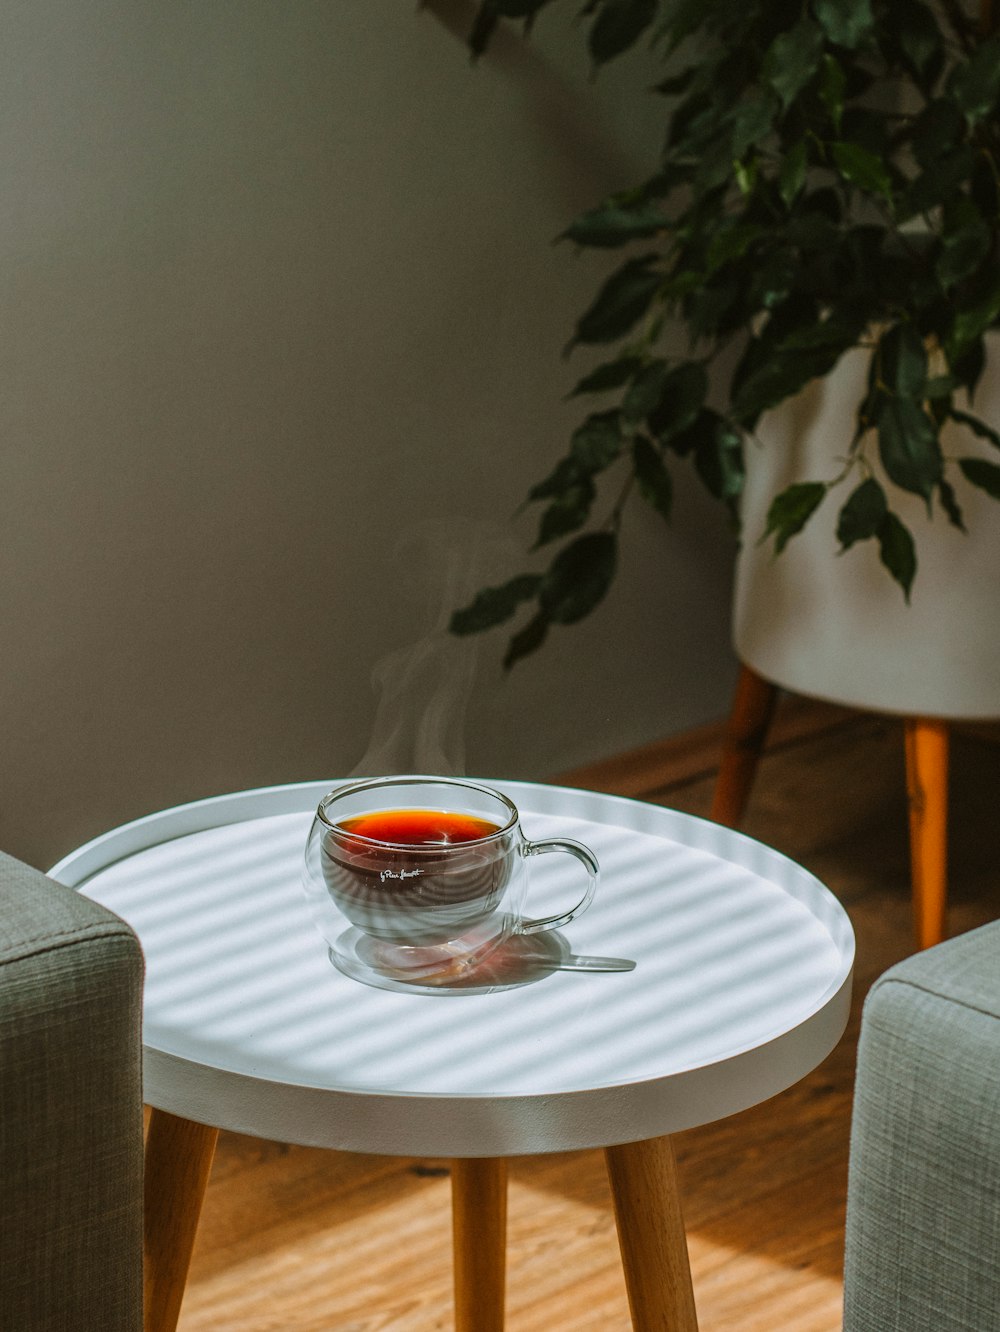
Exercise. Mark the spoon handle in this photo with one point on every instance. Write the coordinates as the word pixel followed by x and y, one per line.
pixel 580 962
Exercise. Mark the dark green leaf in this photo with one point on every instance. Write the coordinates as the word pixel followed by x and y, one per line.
pixel 715 165
pixel 644 392
pixel 597 443
pixel 826 202
pixel 798 312
pixel 868 128
pixel 920 39
pixel 968 364
pixel 772 280
pixel 972 322
pixel 845 22
pixel 715 307
pixel 611 375
pixel 832 86
pixel 792 59
pixel 676 83
pixel 897 551
pixel 937 130
pixel 682 392
pixel 718 456
pixel 908 446
pixel 865 249
pixel 517 9
pixel 655 483
pixel 528 640
pixel 683 281
pixel 791 510
pixel 965 243
pixel 567 513
pixel 812 230
pixel 861 517
pixel 984 189
pixel 979 428
pixel 792 175
pixel 483 27
pixel 621 302
pixel 938 183
pixel 579 577
pixel 907 284
pixel 862 168
pixel 836 333
pixel 693 125
pixel 659 186
pixel 985 475
pixel 745 175
pixel 702 428
pixel 493 605
pixel 491 11
pixel 975 84
pixel 950 504
pixel 618 25
pixel 612 225
pixel 731 241
pixel 564 477
pixel 902 361
pixel 750 123
pixel 684 17
pixel 779 376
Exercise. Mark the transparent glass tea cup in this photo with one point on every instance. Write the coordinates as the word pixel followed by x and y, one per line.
pixel 396 912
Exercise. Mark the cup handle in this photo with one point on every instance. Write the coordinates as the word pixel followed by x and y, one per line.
pixel 586 858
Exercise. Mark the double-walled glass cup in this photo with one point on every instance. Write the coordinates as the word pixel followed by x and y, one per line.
pixel 420 879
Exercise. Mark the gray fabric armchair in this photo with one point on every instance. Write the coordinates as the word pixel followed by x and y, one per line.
pixel 923 1212
pixel 70 1111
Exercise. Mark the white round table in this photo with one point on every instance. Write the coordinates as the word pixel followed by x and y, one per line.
pixel 741 985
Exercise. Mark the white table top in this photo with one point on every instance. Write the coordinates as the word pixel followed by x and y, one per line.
pixel 741 986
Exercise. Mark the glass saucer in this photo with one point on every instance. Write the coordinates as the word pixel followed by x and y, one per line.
pixel 466 966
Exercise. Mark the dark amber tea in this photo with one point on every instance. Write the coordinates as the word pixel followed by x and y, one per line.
pixel 419 827
pixel 416 876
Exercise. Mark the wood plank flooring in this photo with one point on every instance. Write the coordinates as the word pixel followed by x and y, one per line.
pixel 294 1238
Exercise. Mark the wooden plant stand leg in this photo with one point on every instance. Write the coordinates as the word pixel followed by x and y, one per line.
pixel 479 1234
pixel 749 720
pixel 178 1163
pixel 927 793
pixel 651 1235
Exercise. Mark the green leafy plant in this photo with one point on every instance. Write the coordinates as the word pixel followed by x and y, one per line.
pixel 830 180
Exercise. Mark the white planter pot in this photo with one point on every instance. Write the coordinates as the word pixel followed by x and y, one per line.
pixel 837 627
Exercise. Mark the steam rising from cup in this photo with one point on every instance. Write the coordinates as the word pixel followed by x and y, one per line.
pixel 424 687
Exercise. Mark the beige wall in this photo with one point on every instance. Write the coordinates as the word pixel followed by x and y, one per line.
pixel 280 309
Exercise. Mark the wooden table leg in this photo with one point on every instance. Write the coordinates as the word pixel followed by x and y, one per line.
pixel 178 1162
pixel 651 1234
pixel 479 1231
pixel 746 732
pixel 927 791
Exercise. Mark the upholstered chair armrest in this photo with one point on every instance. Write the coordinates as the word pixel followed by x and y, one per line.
pixel 70 1111
pixel 923 1213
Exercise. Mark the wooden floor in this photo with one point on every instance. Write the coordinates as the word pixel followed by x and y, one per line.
pixel 295 1238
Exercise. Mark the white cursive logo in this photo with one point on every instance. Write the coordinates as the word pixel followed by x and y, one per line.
pixel 401 874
